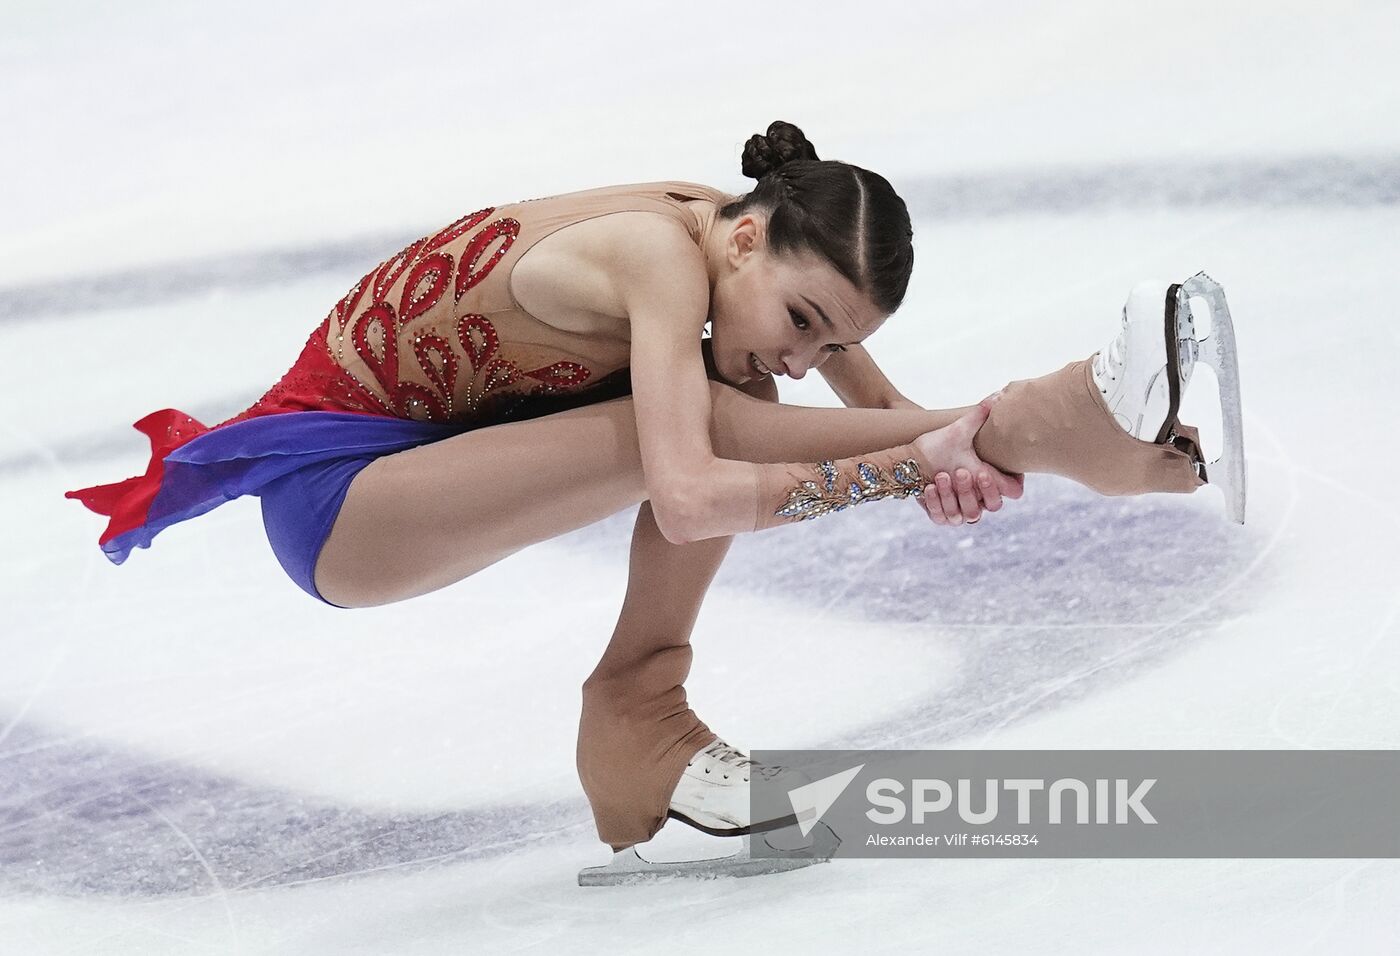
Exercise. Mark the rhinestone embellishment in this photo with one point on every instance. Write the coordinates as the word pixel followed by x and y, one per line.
pixel 461 355
pixel 410 310
pixel 811 499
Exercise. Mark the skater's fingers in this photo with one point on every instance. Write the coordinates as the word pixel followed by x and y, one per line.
pixel 947 497
pixel 932 506
pixel 987 488
pixel 1009 485
pixel 968 502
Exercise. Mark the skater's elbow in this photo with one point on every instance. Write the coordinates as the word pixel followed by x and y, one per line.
pixel 681 511
pixel 705 501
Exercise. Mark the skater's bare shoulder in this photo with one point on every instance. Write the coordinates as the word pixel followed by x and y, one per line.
pixel 581 277
pixel 659 273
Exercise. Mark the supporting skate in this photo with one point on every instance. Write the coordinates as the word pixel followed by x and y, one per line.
pixel 712 796
pixel 1144 372
pixel 713 792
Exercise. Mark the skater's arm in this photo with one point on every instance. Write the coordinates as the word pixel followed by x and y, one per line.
pixel 664 288
pixel 663 285
pixel 859 382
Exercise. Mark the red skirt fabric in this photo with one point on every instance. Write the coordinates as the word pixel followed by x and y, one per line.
pixel 314 383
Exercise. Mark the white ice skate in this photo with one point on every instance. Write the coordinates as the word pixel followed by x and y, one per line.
pixel 1144 372
pixel 713 792
pixel 713 796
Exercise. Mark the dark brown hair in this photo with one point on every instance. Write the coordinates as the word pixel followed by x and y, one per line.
pixel 847 215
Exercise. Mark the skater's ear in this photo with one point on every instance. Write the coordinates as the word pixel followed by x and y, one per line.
pixel 746 237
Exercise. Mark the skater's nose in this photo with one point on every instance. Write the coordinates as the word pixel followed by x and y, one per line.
pixel 796 364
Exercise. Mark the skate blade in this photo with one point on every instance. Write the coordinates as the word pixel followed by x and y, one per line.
pixel 1218 351
pixel 629 867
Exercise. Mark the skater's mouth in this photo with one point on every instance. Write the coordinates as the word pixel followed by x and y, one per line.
pixel 757 363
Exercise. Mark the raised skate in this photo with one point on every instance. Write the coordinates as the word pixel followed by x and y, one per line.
pixel 1144 372
pixel 713 796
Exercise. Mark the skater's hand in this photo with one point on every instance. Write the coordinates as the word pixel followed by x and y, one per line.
pixel 963 484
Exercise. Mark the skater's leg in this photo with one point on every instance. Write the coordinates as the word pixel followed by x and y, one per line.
pixel 637 731
pixel 424 518
pixel 421 519
pixel 1055 424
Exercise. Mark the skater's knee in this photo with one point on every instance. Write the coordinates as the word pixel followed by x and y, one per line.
pixel 764 388
pixel 724 398
pixel 736 415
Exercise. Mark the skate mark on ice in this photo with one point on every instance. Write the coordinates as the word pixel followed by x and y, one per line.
pixel 1374 508
pixel 1050 608
pixel 1058 596
pixel 82 818
pixel 171 281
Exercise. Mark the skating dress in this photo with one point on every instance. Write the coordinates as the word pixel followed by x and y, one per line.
pixel 429 344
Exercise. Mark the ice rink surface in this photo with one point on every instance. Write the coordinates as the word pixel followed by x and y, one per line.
pixel 195 758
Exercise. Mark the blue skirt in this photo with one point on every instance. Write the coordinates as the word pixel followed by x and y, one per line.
pixel 299 463
pixel 300 506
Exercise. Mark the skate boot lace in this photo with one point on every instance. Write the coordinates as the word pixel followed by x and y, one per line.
pixel 1186 342
pixel 725 753
pixel 1115 350
pixel 733 756
pixel 1109 362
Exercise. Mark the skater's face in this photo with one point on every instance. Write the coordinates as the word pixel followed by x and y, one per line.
pixel 793 312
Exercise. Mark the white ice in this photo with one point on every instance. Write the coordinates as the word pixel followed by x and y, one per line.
pixel 195 757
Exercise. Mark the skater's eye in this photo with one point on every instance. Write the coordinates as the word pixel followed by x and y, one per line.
pixel 800 320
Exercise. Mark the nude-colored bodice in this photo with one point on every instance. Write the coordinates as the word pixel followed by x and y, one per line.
pixel 435 332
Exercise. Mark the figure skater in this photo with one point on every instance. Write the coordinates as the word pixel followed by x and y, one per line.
pixel 535 367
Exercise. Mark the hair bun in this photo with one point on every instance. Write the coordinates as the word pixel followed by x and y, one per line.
pixel 783 143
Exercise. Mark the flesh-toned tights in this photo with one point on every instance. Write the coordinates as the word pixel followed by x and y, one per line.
pixel 482 495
